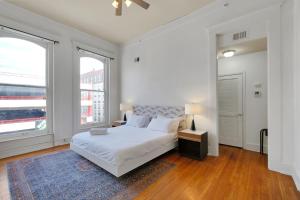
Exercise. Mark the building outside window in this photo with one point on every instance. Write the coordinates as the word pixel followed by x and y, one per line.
pixel 92 91
pixel 24 85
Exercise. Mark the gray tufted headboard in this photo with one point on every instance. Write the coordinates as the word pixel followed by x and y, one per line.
pixel 167 111
pixel 154 111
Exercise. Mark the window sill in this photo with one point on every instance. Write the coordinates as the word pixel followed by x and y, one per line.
pixel 21 136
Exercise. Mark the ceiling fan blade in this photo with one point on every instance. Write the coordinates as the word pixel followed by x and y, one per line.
pixel 119 8
pixel 142 3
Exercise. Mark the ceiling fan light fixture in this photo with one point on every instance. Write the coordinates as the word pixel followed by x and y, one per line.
pixel 118 5
pixel 128 3
pixel 115 4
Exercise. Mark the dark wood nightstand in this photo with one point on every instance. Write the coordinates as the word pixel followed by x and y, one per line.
pixel 193 143
pixel 118 123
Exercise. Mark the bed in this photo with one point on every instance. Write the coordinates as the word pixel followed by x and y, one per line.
pixel 125 148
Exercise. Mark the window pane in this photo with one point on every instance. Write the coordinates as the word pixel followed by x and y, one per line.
pixel 22 120
pixel 92 107
pixel 91 74
pixel 22 86
pixel 22 62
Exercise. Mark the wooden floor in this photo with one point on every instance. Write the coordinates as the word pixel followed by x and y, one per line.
pixel 236 174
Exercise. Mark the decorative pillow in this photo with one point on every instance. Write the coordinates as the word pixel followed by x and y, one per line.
pixel 175 123
pixel 137 121
pixel 147 121
pixel 162 125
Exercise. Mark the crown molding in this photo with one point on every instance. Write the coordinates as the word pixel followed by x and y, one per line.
pixel 202 15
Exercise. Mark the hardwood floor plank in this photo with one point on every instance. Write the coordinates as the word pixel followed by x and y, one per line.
pixel 236 174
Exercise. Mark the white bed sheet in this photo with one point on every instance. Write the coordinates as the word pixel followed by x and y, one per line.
pixel 123 143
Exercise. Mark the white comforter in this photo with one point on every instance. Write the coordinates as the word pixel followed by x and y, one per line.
pixel 122 143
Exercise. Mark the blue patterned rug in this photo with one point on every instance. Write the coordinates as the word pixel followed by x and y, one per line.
pixel 68 176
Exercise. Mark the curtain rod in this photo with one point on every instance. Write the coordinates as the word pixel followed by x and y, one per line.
pixel 79 48
pixel 13 29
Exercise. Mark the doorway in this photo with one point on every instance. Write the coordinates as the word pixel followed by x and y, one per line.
pixel 242 92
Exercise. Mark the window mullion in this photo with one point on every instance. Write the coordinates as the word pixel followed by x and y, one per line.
pixel 87 90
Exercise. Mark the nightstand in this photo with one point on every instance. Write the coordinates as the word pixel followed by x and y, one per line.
pixel 193 143
pixel 118 123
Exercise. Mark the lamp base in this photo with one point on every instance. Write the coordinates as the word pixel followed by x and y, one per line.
pixel 125 118
pixel 193 127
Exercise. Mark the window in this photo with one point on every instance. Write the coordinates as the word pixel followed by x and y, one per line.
pixel 23 86
pixel 93 92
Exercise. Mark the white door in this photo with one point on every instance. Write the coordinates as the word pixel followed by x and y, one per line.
pixel 230 99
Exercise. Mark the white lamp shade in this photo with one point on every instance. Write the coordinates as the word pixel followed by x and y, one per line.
pixel 115 4
pixel 128 3
pixel 193 109
pixel 125 107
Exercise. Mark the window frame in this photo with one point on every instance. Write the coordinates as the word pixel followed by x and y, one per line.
pixel 77 90
pixel 48 46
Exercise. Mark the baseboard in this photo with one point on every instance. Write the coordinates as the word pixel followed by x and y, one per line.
pixel 62 141
pixel 288 170
pixel 256 148
pixel 212 152
pixel 281 168
pixel 296 178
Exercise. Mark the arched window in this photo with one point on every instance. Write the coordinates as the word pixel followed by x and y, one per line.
pixel 92 91
pixel 23 86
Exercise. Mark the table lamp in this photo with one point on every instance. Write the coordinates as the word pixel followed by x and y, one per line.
pixel 193 109
pixel 124 107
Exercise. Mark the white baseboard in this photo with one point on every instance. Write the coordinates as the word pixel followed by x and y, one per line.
pixel 288 170
pixel 62 141
pixel 256 148
pixel 212 152
pixel 296 178
pixel 281 168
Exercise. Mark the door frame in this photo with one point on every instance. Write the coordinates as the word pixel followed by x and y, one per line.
pixel 270 19
pixel 243 75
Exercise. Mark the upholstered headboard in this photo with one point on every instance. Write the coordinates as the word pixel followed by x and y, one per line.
pixel 167 111
pixel 154 111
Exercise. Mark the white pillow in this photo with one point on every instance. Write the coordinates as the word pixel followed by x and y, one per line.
pixel 175 123
pixel 162 125
pixel 137 121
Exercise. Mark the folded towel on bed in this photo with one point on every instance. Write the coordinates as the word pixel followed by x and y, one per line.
pixel 98 131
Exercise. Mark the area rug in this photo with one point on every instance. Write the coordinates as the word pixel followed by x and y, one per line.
pixel 68 176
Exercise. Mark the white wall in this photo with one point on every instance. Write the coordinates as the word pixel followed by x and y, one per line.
pixel 176 68
pixel 173 69
pixel 297 93
pixel 254 68
pixel 63 71
pixel 287 59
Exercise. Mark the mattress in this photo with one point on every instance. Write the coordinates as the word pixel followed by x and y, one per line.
pixel 123 143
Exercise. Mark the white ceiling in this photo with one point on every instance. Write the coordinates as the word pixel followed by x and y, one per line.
pixel 97 17
pixel 245 47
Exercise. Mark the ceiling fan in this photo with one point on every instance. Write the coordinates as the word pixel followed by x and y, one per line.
pixel 118 5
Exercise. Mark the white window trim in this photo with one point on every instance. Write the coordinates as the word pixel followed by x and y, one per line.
pixel 49 88
pixel 76 90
